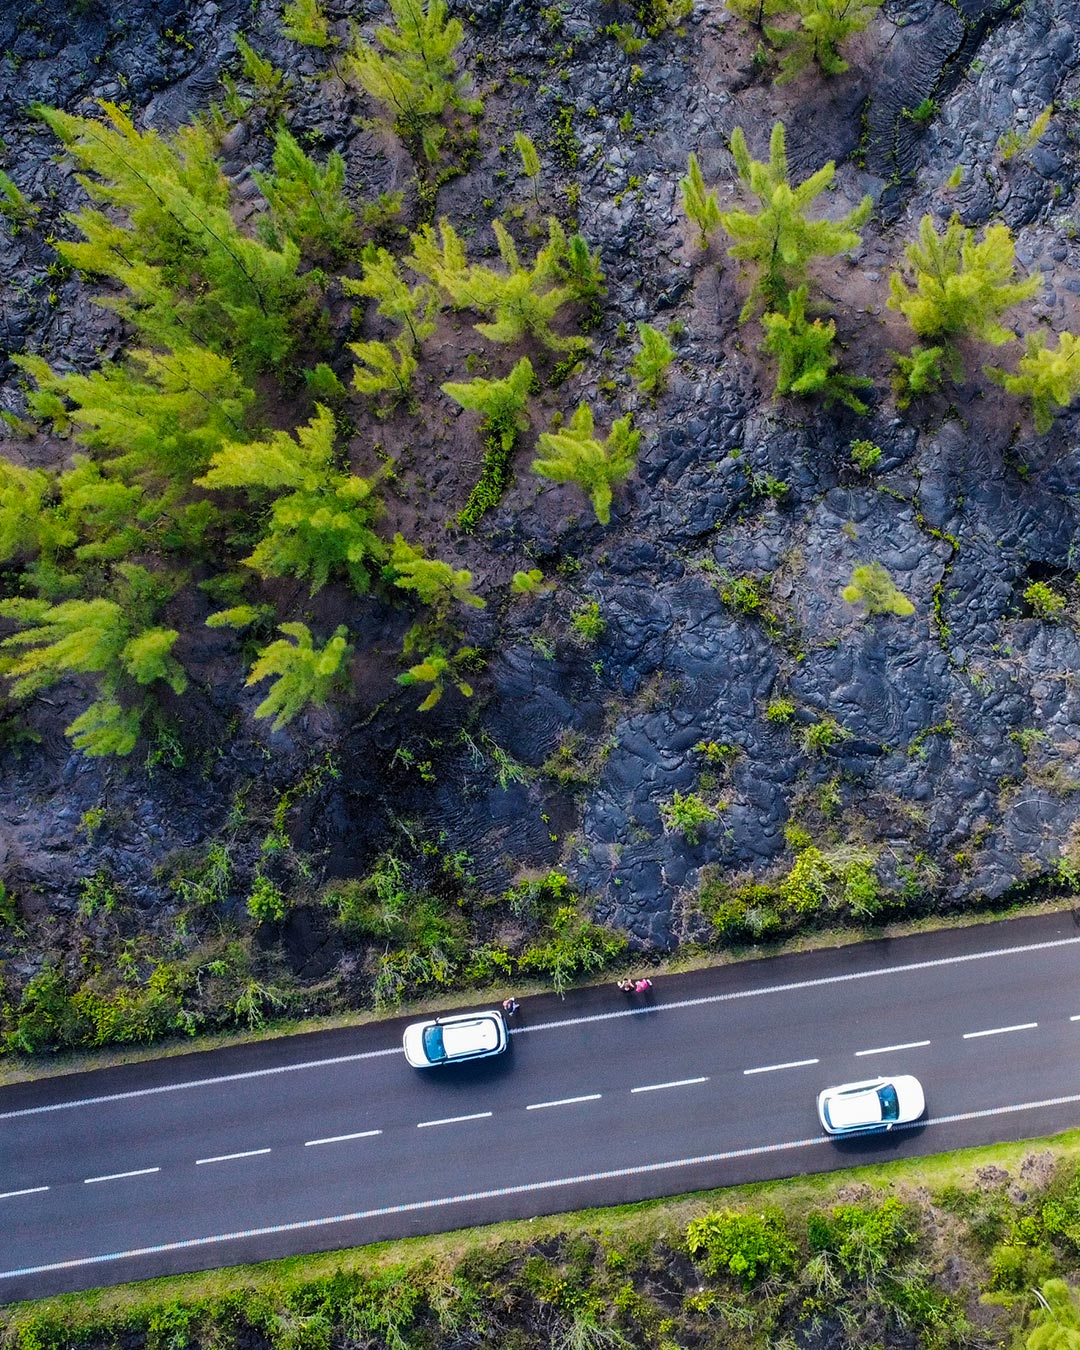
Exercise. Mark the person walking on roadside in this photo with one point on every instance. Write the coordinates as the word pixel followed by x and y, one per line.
pixel 643 985
pixel 510 1006
pixel 626 986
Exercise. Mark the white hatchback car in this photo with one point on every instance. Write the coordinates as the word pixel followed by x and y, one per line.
pixel 877 1104
pixel 449 1040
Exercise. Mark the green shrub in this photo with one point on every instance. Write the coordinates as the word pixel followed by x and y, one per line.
pixel 873 587
pixel 825 734
pixel 865 455
pixel 743 1245
pixel 866 1239
pixel 1045 602
pixel 266 904
pixel 574 946
pixel 686 815
pixel 588 623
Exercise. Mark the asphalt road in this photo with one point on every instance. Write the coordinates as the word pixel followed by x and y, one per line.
pixel 329 1140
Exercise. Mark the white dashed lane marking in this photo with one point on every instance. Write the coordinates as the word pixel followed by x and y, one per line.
pixel 792 1064
pixel 341 1138
pixel 1000 1031
pixel 888 1049
pixel 121 1176
pixel 30 1190
pixel 659 1087
pixel 231 1157
pixel 452 1120
pixel 565 1101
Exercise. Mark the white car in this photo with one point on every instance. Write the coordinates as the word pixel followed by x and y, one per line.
pixel 449 1040
pixel 877 1104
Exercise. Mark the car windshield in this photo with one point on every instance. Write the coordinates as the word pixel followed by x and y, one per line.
pixel 433 1044
pixel 890 1103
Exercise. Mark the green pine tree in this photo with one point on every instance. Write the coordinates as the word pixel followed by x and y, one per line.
pixel 522 301
pixel 823 25
pixel 779 239
pixel 106 728
pixel 962 288
pixel 439 670
pixel 414 307
pixel 432 581
pixel 415 74
pixel 322 521
pixel 1055 1322
pixel 271 86
pixel 649 367
pixel 305 674
pixel 575 455
pixel 920 373
pixel 114 640
pixel 188 273
pixel 500 403
pixel 806 361
pixel 158 417
pixel 530 161
pixel 31 523
pixel 700 203
pixel 757 11
pixel 1049 377
pixel 307 204
pixel 305 21
pixel 384 368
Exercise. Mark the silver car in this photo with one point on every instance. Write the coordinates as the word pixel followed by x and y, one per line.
pixel 450 1040
pixel 877 1104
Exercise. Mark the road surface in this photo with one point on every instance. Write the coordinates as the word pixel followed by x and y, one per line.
pixel 328 1140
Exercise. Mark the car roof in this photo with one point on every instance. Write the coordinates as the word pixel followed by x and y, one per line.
pixel 861 1107
pixel 468 1035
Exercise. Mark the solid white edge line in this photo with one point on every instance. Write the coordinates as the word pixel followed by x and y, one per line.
pixel 452 1120
pixel 121 1176
pixel 673 1006
pixel 793 1064
pixel 681 1082
pixel 524 1188
pixel 30 1190
pixel 565 1101
pixel 887 1049
pixel 999 1031
pixel 230 1157
pixel 341 1138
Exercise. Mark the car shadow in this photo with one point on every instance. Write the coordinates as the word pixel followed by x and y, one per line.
pixel 877 1141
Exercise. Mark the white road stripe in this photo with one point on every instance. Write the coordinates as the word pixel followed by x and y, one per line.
pixel 999 1031
pixel 121 1176
pixel 525 1188
pixel 658 1087
pixel 229 1157
pixel 30 1190
pixel 201 1082
pixel 452 1120
pixel 888 1049
pixel 341 1138
pixel 793 1064
pixel 673 1006
pixel 1075 1019
pixel 565 1101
